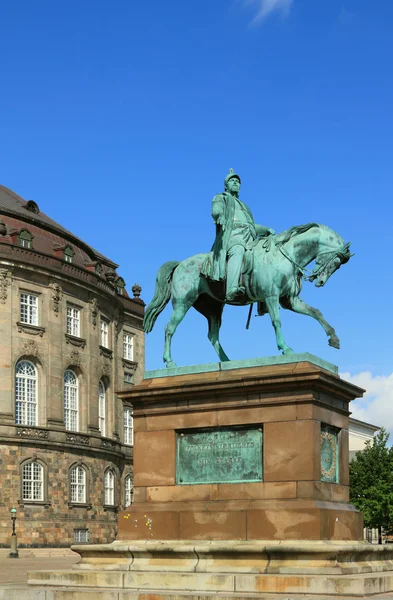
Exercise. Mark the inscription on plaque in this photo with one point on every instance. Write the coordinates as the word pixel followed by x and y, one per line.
pixel 219 456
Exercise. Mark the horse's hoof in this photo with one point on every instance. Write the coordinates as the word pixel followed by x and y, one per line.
pixel 171 365
pixel 288 351
pixel 334 342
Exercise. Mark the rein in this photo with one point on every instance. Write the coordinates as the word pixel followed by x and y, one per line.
pixel 314 273
pixel 301 269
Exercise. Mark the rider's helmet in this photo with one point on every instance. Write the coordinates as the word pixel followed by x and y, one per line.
pixel 231 173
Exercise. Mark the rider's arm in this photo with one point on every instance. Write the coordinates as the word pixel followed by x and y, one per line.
pixel 218 209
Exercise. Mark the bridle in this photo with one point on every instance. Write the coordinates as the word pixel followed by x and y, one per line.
pixel 341 253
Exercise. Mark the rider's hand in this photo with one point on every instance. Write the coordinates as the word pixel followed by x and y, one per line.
pixel 221 221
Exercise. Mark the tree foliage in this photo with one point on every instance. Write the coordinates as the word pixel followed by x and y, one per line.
pixel 371 482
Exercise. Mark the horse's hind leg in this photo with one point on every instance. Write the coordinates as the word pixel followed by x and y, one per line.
pixel 180 308
pixel 297 305
pixel 212 310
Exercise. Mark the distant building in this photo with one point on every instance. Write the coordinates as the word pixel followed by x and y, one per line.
pixel 70 336
pixel 359 433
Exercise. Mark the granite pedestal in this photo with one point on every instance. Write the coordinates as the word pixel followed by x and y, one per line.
pixel 286 527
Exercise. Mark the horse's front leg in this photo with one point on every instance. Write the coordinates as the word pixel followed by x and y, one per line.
pixel 273 307
pixel 299 306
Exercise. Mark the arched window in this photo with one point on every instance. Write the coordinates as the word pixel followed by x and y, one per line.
pixel 109 486
pixel 25 238
pixel 128 490
pixel 25 393
pixel 78 485
pixel 68 254
pixel 33 481
pixel 102 407
pixel 71 401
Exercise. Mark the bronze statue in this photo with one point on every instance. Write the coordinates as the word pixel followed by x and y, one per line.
pixel 271 270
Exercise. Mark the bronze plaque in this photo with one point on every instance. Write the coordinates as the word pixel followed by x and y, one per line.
pixel 223 455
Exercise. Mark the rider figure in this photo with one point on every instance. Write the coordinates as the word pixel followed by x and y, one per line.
pixel 236 232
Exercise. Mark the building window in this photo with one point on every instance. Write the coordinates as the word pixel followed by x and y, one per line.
pixel 128 490
pixel 128 377
pixel 81 536
pixel 104 340
pixel 78 485
pixel 120 286
pixel 25 239
pixel 109 485
pixel 29 309
pixel 33 481
pixel 25 393
pixel 68 254
pixel 73 321
pixel 128 427
pixel 128 346
pixel 102 408
pixel 71 401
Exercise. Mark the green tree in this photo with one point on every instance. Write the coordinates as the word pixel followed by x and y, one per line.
pixel 371 483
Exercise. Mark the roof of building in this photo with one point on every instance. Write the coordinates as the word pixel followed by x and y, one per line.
pixel 364 424
pixel 14 205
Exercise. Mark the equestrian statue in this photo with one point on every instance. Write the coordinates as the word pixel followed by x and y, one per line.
pixel 248 263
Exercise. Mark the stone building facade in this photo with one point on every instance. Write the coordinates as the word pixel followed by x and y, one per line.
pixel 70 338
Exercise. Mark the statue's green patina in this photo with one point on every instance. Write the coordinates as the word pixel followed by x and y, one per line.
pixel 247 264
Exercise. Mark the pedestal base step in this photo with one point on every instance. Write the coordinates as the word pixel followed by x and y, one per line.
pixel 159 585
pixel 230 568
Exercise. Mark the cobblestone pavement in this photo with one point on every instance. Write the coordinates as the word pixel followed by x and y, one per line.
pixel 14 570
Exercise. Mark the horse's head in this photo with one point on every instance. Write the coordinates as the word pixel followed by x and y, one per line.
pixel 330 260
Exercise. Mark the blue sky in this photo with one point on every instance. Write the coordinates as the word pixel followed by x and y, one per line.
pixel 121 120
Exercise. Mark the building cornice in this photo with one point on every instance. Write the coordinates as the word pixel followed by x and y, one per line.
pixel 28 257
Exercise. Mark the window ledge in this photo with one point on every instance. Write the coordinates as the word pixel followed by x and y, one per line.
pixel 130 364
pixel 106 352
pixel 80 505
pixel 32 329
pixel 111 507
pixel 75 341
pixel 23 503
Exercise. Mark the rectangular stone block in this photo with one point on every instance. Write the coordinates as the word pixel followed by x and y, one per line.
pixel 154 458
pixel 181 420
pixel 321 490
pixel 162 525
pixel 256 414
pixel 292 451
pixel 179 581
pixel 257 491
pixel 105 579
pixel 345 524
pixel 175 493
pixel 283 524
pixel 213 525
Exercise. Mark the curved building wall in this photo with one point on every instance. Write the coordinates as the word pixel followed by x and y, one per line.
pixel 70 338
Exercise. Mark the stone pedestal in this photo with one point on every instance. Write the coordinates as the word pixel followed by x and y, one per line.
pixel 284 526
pixel 291 403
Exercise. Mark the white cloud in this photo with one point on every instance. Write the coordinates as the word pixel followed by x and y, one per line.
pixel 267 7
pixel 376 406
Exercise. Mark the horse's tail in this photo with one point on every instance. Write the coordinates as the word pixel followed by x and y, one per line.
pixel 161 296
